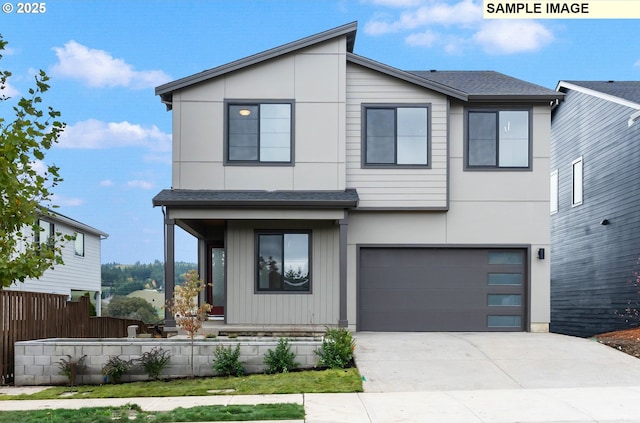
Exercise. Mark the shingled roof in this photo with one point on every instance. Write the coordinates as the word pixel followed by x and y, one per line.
pixel 479 85
pixel 625 90
pixel 267 199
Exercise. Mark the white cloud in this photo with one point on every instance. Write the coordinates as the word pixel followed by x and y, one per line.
pixel 40 167
pixel 97 68
pixel 637 64
pixel 457 26
pixel 397 3
pixel 8 90
pixel 63 201
pixel 96 134
pixel 425 39
pixel 139 183
pixel 106 183
pixel 507 37
pixel 463 13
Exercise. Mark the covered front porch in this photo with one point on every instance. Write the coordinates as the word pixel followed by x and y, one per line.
pixel 274 261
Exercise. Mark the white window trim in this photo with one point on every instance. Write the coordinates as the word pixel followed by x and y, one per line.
pixel 574 187
pixel 553 192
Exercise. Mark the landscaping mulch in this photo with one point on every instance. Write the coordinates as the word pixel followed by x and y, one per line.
pixel 627 341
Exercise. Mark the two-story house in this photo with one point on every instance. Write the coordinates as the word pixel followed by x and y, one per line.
pixel 595 266
pixel 81 273
pixel 325 188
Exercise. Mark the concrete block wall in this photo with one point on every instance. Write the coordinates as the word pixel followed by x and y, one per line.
pixel 37 362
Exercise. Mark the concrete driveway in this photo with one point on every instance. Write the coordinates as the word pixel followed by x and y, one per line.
pixel 451 361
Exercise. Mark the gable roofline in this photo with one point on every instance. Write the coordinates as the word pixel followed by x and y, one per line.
pixel 595 93
pixel 75 224
pixel 405 76
pixel 165 91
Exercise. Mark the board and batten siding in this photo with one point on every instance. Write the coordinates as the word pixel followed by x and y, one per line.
pixel 592 264
pixel 395 187
pixel 245 306
pixel 77 273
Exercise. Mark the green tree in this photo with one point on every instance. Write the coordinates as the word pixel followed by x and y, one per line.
pixel 189 315
pixel 131 308
pixel 25 193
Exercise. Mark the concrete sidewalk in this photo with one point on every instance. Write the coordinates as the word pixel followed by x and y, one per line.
pixel 610 404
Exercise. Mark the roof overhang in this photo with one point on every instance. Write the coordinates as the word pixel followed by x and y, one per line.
pixel 543 99
pixel 60 218
pixel 180 198
pixel 405 76
pixel 563 86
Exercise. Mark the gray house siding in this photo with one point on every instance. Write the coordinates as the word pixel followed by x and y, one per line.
pixel 245 306
pixel 592 264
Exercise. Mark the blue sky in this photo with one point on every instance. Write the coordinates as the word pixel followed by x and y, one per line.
pixel 106 57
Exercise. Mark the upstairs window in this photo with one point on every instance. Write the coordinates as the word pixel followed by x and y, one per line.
pixel 45 233
pixel 396 135
pixel 259 132
pixel 576 196
pixel 78 244
pixel 498 139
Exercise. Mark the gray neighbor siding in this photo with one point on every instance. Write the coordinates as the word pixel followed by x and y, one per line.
pixel 593 265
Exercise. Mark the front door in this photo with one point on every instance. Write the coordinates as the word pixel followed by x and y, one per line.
pixel 215 289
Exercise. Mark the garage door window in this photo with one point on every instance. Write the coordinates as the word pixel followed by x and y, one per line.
pixel 505 279
pixel 283 261
pixel 504 321
pixel 505 257
pixel 504 300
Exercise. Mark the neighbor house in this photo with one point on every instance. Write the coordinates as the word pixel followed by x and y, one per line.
pixel 325 188
pixel 80 273
pixel 595 213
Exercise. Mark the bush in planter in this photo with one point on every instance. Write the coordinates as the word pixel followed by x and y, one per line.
pixel 115 368
pixel 153 362
pixel 336 351
pixel 226 361
pixel 282 359
pixel 71 368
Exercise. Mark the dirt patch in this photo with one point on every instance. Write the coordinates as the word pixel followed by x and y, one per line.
pixel 627 341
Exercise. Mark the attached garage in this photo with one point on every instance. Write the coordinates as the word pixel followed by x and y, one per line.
pixel 442 289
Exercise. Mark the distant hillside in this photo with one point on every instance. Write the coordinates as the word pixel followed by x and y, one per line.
pixel 153 297
pixel 123 279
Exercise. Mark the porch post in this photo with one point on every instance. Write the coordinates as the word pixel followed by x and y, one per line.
pixel 169 269
pixel 343 322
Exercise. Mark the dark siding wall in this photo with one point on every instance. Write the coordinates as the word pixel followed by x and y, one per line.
pixel 592 266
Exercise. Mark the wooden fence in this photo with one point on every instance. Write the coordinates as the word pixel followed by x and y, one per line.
pixel 28 315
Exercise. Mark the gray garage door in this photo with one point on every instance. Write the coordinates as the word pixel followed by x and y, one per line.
pixel 441 289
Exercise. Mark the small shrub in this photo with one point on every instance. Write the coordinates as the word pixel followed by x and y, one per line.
pixel 226 361
pixel 153 362
pixel 282 359
pixel 336 351
pixel 71 368
pixel 115 368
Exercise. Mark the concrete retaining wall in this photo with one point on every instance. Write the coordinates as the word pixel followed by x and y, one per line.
pixel 37 362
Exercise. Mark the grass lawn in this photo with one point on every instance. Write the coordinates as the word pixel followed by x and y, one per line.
pixel 315 381
pixel 133 413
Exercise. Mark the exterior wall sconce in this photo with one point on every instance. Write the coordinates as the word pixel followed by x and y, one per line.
pixel 541 253
pixel 604 222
